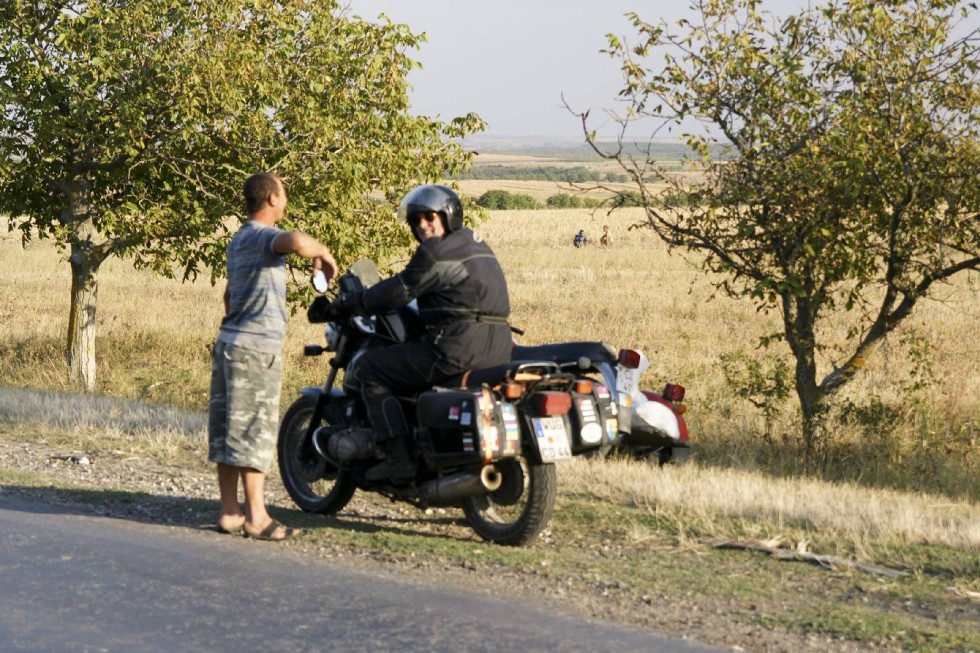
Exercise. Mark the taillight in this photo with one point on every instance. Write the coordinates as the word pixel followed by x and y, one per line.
pixel 673 392
pixel 551 403
pixel 629 358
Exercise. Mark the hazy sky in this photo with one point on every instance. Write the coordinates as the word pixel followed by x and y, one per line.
pixel 510 61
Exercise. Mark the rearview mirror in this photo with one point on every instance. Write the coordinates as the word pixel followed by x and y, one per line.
pixel 320 282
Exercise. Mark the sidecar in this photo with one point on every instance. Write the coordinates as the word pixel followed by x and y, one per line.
pixel 647 423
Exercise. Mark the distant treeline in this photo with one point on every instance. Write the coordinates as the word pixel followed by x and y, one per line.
pixel 502 200
pixel 575 175
pixel 662 152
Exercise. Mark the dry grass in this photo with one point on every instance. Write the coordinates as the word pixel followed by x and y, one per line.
pixel 155 334
pixel 634 293
pixel 842 517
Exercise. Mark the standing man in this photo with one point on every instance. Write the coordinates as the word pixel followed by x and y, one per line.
pixel 246 369
pixel 463 303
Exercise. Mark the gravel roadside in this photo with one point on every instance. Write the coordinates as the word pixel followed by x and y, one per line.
pixel 119 484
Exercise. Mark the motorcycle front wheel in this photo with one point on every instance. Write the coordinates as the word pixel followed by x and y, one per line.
pixel 312 483
pixel 518 511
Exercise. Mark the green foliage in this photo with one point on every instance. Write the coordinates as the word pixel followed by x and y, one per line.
pixel 502 200
pixel 563 201
pixel 567 201
pixel 764 382
pixel 146 117
pixel 128 129
pixel 851 191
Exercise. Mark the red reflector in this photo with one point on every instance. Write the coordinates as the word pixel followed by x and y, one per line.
pixel 629 358
pixel 673 392
pixel 552 403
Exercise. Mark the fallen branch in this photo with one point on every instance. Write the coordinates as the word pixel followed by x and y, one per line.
pixel 801 554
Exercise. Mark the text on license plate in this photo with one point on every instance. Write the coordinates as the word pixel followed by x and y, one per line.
pixel 552 438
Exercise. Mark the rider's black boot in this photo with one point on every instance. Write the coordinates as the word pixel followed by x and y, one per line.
pixel 396 465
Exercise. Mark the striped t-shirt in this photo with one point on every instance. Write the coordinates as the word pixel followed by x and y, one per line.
pixel 256 290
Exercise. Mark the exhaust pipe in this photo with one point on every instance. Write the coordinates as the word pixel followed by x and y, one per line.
pixel 452 489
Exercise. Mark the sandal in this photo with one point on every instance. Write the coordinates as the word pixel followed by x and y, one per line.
pixel 269 531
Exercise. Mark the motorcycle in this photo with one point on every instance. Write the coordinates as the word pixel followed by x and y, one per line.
pixel 486 441
pixel 651 424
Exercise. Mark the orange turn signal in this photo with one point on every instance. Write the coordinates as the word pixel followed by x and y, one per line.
pixel 513 390
pixel 583 386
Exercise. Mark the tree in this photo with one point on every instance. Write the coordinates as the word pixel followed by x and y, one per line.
pixel 850 189
pixel 564 201
pixel 128 129
pixel 502 200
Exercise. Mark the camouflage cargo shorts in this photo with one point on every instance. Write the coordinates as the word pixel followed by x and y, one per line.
pixel 243 413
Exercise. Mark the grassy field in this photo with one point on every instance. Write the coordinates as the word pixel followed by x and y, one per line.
pixel 914 423
pixel 901 489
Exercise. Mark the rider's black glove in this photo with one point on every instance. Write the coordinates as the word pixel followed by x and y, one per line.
pixel 317 313
pixel 321 310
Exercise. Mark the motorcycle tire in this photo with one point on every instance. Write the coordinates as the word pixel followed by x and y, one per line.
pixel 312 483
pixel 518 511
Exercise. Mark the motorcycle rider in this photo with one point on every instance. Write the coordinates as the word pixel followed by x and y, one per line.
pixel 463 304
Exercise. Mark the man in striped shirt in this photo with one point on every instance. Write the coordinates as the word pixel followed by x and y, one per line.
pixel 246 368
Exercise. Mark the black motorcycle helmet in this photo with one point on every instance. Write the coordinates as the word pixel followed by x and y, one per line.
pixel 433 197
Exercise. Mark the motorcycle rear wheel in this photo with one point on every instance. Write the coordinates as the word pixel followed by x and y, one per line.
pixel 517 512
pixel 312 483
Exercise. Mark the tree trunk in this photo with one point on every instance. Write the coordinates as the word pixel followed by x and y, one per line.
pixel 86 258
pixel 798 322
pixel 80 351
pixel 813 411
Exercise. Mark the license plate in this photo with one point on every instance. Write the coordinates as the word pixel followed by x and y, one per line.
pixel 552 439
pixel 627 381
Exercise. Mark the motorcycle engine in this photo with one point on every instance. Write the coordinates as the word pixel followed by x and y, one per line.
pixel 352 444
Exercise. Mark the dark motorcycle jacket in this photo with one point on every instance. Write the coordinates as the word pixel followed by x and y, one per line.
pixel 461 294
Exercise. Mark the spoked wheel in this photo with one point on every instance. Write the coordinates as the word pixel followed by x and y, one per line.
pixel 313 483
pixel 520 508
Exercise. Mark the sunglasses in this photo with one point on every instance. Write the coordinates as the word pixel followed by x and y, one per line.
pixel 415 219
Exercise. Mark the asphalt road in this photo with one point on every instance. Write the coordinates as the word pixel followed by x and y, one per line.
pixel 75 582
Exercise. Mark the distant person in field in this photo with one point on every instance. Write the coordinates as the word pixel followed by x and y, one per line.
pixel 605 235
pixel 246 367
pixel 580 239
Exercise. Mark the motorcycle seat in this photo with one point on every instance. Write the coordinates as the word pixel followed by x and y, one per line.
pixel 566 352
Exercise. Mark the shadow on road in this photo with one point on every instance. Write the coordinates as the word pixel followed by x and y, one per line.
pixel 201 514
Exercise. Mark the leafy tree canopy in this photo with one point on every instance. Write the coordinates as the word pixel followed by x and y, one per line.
pixel 852 186
pixel 129 127
pixel 502 200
